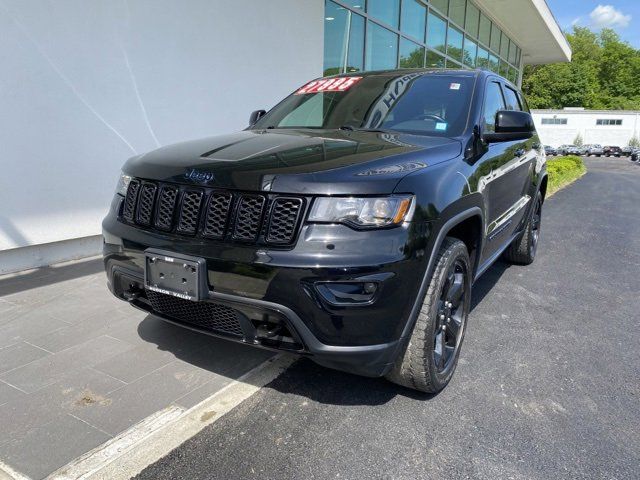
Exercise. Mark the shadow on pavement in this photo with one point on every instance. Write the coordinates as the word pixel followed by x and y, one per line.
pixel 41 277
pixel 304 377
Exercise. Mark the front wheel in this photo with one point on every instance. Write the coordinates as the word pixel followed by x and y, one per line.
pixel 524 248
pixel 431 356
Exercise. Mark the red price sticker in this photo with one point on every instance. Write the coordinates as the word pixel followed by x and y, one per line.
pixel 339 84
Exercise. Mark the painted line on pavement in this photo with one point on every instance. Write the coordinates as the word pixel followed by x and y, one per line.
pixel 129 453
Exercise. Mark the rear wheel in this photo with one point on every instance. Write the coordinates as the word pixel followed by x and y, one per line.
pixel 523 249
pixel 431 356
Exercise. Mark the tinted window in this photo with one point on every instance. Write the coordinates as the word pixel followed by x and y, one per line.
pixel 411 54
pixel 382 48
pixel 387 11
pixel 454 43
pixel 473 20
pixel 436 105
pixel 442 5
pixel 457 10
pixel 414 18
pixel 484 34
pixel 493 103
pixel 511 98
pixel 437 32
pixel 470 50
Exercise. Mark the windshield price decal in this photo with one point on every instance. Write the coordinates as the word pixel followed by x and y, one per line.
pixel 340 84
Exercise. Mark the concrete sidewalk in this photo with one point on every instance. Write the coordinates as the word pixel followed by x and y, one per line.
pixel 77 366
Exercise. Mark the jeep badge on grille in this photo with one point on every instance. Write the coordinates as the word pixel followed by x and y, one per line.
pixel 199 176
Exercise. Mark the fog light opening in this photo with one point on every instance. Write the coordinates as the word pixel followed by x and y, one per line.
pixel 348 293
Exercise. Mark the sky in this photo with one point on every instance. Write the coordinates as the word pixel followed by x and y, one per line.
pixel 623 16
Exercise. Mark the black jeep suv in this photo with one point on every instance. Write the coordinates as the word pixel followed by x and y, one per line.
pixel 346 224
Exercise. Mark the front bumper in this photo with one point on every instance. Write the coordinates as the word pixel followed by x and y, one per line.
pixel 279 288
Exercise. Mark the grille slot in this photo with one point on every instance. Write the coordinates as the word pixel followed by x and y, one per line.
pixel 206 315
pixel 283 220
pixel 166 208
pixel 145 203
pixel 215 223
pixel 248 218
pixel 129 208
pixel 190 212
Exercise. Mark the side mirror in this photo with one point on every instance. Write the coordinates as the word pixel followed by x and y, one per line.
pixel 511 125
pixel 255 116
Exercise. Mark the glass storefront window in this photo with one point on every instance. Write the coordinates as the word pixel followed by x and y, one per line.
pixel 454 43
pixel 414 18
pixel 356 4
pixel 512 52
pixel 411 54
pixel 382 48
pixel 434 60
pixel 504 69
pixel 457 11
pixel 341 25
pixel 453 65
pixel 387 11
pixel 436 32
pixel 504 46
pixel 496 34
pixel 494 63
pixel 484 34
pixel 472 21
pixel 483 58
pixel 441 5
pixel 470 51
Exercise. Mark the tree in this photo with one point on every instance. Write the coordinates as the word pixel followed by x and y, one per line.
pixel 634 142
pixel 603 74
pixel 578 141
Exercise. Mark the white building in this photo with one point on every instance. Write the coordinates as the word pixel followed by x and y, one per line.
pixel 86 84
pixel 605 127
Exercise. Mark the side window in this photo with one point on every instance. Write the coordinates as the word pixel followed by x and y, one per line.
pixel 493 103
pixel 523 102
pixel 511 97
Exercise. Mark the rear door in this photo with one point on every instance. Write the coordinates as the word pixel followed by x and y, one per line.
pixel 507 172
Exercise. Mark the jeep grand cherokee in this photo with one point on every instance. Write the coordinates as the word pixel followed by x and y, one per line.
pixel 347 224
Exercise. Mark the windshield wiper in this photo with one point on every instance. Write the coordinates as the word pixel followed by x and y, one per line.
pixel 356 129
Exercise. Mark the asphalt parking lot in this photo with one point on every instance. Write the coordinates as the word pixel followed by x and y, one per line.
pixel 548 384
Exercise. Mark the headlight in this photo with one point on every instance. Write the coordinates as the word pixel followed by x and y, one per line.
pixel 362 212
pixel 123 184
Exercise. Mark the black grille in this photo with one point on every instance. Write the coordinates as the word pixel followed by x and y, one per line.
pixel 145 203
pixel 206 315
pixel 212 213
pixel 283 220
pixel 130 201
pixel 166 208
pixel 190 212
pixel 248 218
pixel 215 223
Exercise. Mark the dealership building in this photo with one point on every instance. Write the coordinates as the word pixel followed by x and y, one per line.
pixel 604 127
pixel 88 84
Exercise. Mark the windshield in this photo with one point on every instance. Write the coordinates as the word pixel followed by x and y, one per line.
pixel 417 103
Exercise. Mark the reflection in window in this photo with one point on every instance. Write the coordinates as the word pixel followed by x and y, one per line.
pixel 512 53
pixel 457 11
pixel 470 51
pixel 451 65
pixel 484 34
pixel 414 17
pixel 454 43
pixel 436 32
pixel 504 46
pixel 344 40
pixel 355 4
pixel 504 68
pixel 441 5
pixel 494 63
pixel 382 48
pixel 434 60
pixel 387 11
pixel 472 20
pixel 411 54
pixel 492 105
pixel 496 34
pixel 483 58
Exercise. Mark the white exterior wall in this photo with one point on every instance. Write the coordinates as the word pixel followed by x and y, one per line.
pixel 583 122
pixel 87 84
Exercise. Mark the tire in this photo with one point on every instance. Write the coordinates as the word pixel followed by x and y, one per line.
pixel 430 358
pixel 524 248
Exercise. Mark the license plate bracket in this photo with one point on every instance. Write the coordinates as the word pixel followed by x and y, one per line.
pixel 178 275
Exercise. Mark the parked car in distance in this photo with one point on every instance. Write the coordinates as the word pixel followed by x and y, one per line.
pixel 568 150
pixel 635 155
pixel 627 151
pixel 352 237
pixel 595 150
pixel 612 151
pixel 550 151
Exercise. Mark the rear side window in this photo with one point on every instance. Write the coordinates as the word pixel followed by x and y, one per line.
pixel 493 103
pixel 511 97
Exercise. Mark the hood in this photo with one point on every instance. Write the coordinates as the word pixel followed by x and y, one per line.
pixel 295 161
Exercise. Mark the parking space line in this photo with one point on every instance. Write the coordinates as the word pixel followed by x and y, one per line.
pixel 129 453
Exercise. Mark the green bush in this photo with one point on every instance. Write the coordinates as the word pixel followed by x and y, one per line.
pixel 563 171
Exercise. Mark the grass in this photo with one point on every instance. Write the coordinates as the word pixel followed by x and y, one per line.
pixel 563 171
